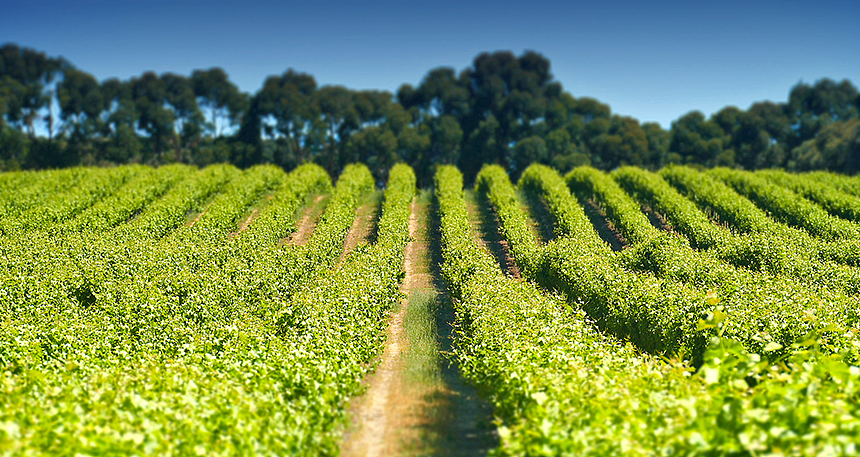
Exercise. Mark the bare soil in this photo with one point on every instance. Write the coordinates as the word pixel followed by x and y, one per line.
pixel 197 217
pixel 604 227
pixel 246 222
pixel 657 219
pixel 487 232
pixel 363 227
pixel 307 222
pixel 384 409
pixel 437 412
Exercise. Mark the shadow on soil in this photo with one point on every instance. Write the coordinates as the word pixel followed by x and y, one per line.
pixel 487 223
pixel 541 215
pixel 460 422
pixel 604 228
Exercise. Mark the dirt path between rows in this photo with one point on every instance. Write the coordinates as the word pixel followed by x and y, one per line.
pixel 306 223
pixel 245 223
pixel 604 226
pixel 383 409
pixel 254 213
pixel 656 219
pixel 198 215
pixel 416 402
pixel 363 226
pixel 486 228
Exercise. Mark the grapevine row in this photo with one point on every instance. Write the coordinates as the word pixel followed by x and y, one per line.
pixel 780 251
pixel 561 388
pixel 132 197
pixel 658 316
pixel 847 184
pixel 788 207
pixel 203 337
pixel 835 201
pixel 760 308
pixel 36 189
pixel 66 205
pixel 755 302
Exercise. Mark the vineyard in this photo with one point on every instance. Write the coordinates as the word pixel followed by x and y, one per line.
pixel 219 311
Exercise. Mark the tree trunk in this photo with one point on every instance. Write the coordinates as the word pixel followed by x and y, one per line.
pixel 50 122
pixel 331 152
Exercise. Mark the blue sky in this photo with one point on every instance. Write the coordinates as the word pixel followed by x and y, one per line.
pixel 651 60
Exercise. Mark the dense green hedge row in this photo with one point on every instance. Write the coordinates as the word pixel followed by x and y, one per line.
pixel 788 207
pixel 81 267
pixel 561 388
pixel 664 254
pixel 570 219
pixel 65 205
pixel 125 337
pixel 742 214
pixel 847 184
pixel 44 267
pixel 759 307
pixel 456 233
pixel 276 221
pixel 835 201
pixel 667 255
pixel 132 197
pixel 658 316
pixel 326 243
pixel 169 212
pixel 837 239
pixel 197 263
pixel 341 327
pixel 163 344
pixel 754 301
pixel 222 214
pixel 28 189
pixel 773 248
pixel 521 239
pixel 686 217
pixel 588 182
pixel 12 181
pixel 299 264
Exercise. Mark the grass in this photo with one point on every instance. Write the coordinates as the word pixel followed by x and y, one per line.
pixel 422 358
pixel 452 420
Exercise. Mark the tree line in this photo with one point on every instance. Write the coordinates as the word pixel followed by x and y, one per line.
pixel 503 109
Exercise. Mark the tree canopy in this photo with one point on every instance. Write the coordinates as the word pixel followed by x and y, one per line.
pixel 503 108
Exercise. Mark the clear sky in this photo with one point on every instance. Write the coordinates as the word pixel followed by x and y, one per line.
pixel 651 60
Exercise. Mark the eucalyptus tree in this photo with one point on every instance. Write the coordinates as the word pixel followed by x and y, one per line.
pixel 288 101
pixel 149 93
pixel 188 120
pixel 813 107
pixel 336 105
pixel 697 140
pixel 220 97
pixel 81 103
pixel 27 76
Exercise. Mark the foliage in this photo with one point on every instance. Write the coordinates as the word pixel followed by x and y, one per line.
pixel 762 307
pixel 787 207
pixel 833 200
pixel 502 109
pixel 658 316
pixel 160 311
pixel 767 246
pixel 561 388
pixel 157 336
